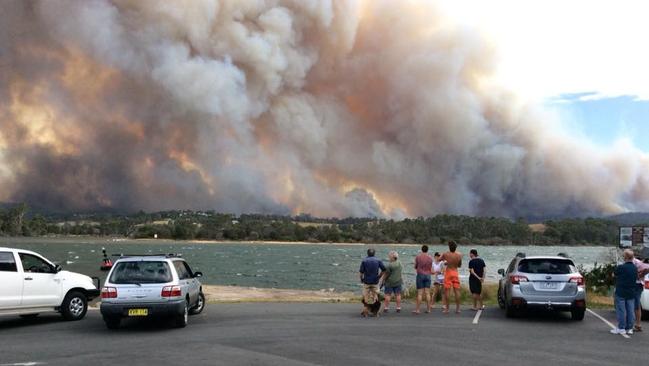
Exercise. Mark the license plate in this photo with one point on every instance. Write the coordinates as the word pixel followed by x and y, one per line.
pixel 138 312
pixel 549 285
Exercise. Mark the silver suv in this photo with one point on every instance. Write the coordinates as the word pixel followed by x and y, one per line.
pixel 546 282
pixel 148 286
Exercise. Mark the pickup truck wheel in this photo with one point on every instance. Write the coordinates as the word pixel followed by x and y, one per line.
pixel 200 305
pixel 112 322
pixel 74 306
pixel 180 321
pixel 577 314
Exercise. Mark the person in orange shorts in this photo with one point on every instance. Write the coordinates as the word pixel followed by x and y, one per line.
pixel 453 261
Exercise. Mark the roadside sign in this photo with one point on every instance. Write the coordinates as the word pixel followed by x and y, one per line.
pixel 634 235
pixel 626 237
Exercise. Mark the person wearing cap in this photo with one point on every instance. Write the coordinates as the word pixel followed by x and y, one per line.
pixel 393 281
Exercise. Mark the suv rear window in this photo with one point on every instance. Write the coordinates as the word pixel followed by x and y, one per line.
pixel 141 272
pixel 546 266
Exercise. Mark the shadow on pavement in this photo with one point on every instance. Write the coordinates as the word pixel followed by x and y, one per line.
pixel 9 322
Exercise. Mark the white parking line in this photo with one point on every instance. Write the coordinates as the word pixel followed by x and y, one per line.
pixel 23 364
pixel 606 321
pixel 476 318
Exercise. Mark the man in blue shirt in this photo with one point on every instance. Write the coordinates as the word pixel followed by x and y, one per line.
pixel 625 278
pixel 370 275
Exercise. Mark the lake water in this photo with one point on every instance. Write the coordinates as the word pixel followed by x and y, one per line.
pixel 309 266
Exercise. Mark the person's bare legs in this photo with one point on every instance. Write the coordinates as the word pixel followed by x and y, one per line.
pixel 638 318
pixel 475 301
pixel 433 297
pixel 456 291
pixel 427 292
pixel 445 299
pixel 398 296
pixel 418 303
pixel 386 303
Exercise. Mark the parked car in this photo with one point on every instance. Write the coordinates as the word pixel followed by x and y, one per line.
pixel 151 286
pixel 31 284
pixel 545 282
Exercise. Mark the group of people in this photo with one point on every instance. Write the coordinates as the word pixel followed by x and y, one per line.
pixel 629 284
pixel 439 273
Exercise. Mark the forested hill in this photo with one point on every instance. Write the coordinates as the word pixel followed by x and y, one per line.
pixel 16 220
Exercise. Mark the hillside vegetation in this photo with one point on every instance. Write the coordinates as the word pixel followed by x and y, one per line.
pixel 209 225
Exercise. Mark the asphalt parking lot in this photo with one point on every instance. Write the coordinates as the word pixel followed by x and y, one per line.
pixel 321 334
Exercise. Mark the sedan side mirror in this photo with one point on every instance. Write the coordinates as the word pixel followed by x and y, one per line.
pixel 501 272
pixel 198 274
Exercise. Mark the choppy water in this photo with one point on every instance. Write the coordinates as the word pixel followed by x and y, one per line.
pixel 312 266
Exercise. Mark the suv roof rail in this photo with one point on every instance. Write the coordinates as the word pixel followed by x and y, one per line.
pixel 520 254
pixel 562 254
pixel 170 255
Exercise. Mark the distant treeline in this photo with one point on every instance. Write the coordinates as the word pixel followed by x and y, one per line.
pixel 209 225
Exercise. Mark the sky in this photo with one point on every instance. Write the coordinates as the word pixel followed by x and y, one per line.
pixel 583 61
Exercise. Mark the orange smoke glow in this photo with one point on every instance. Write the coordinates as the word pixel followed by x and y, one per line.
pixel 189 166
pixel 40 122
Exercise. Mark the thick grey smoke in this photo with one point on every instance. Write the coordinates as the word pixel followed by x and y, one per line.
pixel 334 108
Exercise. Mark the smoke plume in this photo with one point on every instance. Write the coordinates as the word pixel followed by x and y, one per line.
pixel 334 108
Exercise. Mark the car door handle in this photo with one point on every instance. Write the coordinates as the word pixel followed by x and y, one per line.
pixel 28 278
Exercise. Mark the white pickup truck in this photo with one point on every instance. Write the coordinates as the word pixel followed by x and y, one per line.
pixel 32 284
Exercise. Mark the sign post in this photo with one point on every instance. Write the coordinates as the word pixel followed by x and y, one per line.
pixel 635 236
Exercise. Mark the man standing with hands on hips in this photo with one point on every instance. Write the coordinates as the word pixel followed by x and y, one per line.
pixel 453 261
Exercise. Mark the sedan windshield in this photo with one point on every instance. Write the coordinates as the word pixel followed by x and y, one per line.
pixel 141 272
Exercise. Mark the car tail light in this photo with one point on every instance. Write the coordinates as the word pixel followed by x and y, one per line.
pixel 646 285
pixel 517 279
pixel 578 280
pixel 109 293
pixel 171 291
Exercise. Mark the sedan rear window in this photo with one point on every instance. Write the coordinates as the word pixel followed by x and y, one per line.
pixel 546 266
pixel 141 272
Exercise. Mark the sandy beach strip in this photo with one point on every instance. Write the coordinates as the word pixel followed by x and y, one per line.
pixel 229 294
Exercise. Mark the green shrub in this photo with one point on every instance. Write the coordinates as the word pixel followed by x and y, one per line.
pixel 600 278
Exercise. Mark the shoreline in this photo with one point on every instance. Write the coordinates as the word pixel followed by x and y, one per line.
pixel 259 242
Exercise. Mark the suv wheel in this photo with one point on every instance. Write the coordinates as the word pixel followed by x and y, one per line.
pixel 112 322
pixel 200 305
pixel 181 320
pixel 74 306
pixel 510 311
pixel 501 301
pixel 577 314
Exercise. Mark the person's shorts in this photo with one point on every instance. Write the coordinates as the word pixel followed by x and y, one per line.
pixel 638 295
pixel 370 293
pixel 393 290
pixel 439 280
pixel 423 281
pixel 451 279
pixel 475 285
